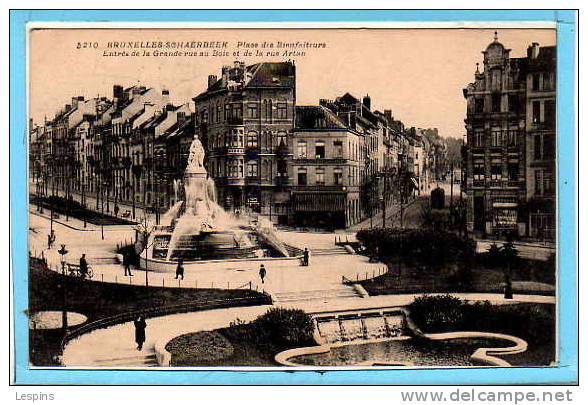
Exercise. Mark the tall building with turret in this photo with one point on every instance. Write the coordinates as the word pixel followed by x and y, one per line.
pixel 507 110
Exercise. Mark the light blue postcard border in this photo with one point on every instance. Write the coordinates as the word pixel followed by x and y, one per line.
pixel 565 373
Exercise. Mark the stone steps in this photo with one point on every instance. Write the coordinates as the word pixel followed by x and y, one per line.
pixel 142 359
pixel 292 296
pixel 337 250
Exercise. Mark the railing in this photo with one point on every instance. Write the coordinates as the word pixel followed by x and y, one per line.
pixel 153 280
pixel 367 274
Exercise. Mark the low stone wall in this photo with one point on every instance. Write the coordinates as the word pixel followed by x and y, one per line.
pixel 484 356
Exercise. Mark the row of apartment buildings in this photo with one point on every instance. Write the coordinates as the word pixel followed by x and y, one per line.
pixel 297 165
pixel 510 153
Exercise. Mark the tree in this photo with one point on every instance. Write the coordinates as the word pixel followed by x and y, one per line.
pixel 144 229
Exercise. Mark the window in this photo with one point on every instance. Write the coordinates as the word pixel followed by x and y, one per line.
pixel 338 176
pixel 496 102
pixel 302 179
pixel 234 167
pixel 252 111
pixel 513 171
pixel 282 138
pixel 227 111
pixel 496 79
pixel 302 149
pixel 252 169
pixel 512 137
pixel 496 138
pixel 548 146
pixel 218 112
pixel 338 149
pixel 547 181
pixel 496 171
pixel 479 138
pixel 537 147
pixel 282 111
pixel 549 118
pixel 536 112
pixel 538 182
pixel 479 171
pixel 535 83
pixel 252 139
pixel 479 105
pixel 320 176
pixel 514 104
pixel 237 111
pixel 319 150
pixel 267 107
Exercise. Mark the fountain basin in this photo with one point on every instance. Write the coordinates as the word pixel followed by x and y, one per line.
pixel 358 339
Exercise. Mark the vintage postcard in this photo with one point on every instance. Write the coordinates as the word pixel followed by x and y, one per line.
pixel 292 198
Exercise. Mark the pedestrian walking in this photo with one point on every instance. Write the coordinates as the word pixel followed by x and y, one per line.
pixel 116 209
pixel 127 264
pixel 140 326
pixel 305 257
pixel 51 239
pixel 262 273
pixel 180 269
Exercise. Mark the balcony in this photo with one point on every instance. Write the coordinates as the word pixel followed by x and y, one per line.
pixel 318 188
pixel 337 160
pixel 234 150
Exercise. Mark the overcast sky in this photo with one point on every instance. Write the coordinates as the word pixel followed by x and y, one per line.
pixel 419 74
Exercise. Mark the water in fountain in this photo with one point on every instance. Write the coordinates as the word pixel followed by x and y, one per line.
pixel 198 228
pixel 355 327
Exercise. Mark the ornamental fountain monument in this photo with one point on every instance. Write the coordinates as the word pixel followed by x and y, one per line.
pixel 198 229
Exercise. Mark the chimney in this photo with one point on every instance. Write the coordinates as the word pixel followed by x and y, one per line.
pixel 74 102
pixel 117 94
pixel 367 101
pixel 181 117
pixel 533 50
pixel 388 115
pixel 211 80
pixel 165 96
pixel 117 91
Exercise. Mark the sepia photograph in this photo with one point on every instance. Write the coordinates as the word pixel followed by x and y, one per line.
pixel 292 198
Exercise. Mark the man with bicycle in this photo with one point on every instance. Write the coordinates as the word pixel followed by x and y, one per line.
pixel 83 266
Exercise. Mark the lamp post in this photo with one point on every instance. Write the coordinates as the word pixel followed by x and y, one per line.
pixel 104 184
pixel 84 201
pixel 62 252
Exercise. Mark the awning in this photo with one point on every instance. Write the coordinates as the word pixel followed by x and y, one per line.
pixel 415 182
pixel 505 205
pixel 318 202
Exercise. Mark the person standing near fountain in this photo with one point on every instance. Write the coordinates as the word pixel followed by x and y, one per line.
pixel 180 269
pixel 262 273
pixel 305 257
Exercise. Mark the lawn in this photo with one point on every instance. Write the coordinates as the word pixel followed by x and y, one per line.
pixel 74 209
pixel 49 290
pixel 408 276
pixel 535 323
pixel 245 344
